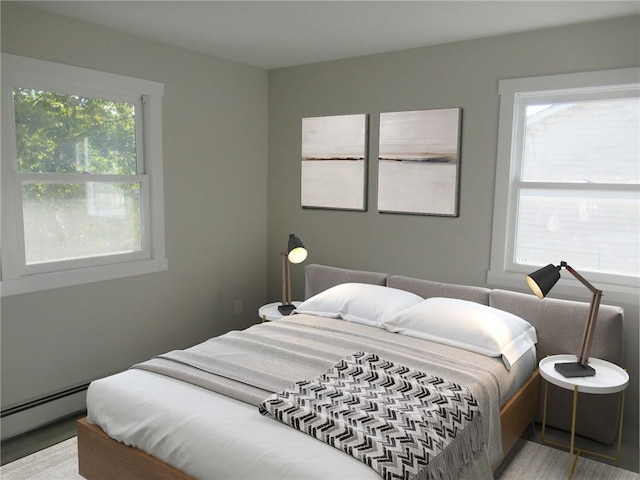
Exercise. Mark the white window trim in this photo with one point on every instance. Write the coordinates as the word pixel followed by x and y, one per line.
pixel 22 71
pixel 501 271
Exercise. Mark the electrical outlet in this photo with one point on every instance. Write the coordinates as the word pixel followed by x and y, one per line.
pixel 237 306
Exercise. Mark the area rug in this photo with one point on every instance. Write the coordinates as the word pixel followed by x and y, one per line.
pixel 58 462
pixel 527 461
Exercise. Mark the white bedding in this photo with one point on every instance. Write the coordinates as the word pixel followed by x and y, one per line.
pixel 201 432
pixel 208 435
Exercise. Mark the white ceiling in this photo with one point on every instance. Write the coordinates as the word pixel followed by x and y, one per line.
pixel 273 34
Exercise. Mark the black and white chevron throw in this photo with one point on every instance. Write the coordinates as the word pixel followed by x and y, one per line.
pixel 403 423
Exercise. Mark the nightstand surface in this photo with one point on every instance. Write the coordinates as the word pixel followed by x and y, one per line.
pixel 270 312
pixel 609 378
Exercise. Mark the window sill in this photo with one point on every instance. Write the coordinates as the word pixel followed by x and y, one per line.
pixel 68 278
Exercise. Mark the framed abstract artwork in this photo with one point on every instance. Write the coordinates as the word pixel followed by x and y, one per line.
pixel 419 162
pixel 334 162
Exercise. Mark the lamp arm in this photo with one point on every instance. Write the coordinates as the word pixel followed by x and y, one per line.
pixel 289 298
pixel 580 278
pixel 285 278
pixel 587 337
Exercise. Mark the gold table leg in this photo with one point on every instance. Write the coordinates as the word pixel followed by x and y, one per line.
pixel 573 459
pixel 544 411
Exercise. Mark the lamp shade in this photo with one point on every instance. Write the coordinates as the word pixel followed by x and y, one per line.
pixel 295 249
pixel 542 281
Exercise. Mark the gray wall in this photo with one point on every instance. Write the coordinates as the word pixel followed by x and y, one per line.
pixel 215 165
pixel 463 75
pixel 221 142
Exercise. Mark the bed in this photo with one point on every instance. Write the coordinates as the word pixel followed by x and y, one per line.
pixel 178 416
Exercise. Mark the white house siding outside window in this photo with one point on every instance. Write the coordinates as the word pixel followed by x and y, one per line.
pixel 568 179
pixel 81 176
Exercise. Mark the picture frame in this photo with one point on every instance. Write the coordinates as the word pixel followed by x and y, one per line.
pixel 334 162
pixel 419 162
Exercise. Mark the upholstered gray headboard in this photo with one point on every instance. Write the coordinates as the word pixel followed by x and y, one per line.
pixel 559 325
pixel 429 289
pixel 318 278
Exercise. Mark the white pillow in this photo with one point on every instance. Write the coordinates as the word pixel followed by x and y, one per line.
pixel 468 325
pixel 359 302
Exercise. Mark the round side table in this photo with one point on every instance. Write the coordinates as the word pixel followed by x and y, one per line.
pixel 270 312
pixel 609 378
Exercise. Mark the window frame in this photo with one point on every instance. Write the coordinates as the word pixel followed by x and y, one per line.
pixel 514 94
pixel 16 276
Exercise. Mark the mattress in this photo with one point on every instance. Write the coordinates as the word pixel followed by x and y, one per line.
pixel 209 435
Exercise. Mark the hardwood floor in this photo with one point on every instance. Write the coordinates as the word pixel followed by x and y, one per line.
pixel 628 457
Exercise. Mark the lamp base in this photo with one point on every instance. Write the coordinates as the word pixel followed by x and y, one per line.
pixel 286 309
pixel 574 369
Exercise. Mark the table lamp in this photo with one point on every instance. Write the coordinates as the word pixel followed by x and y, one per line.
pixel 294 253
pixel 541 282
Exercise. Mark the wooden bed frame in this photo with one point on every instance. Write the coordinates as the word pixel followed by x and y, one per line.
pixel 102 458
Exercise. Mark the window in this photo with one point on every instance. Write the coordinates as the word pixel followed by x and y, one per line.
pixel 568 179
pixel 81 176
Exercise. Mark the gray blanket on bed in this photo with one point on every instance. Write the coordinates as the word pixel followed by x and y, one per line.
pixel 252 364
